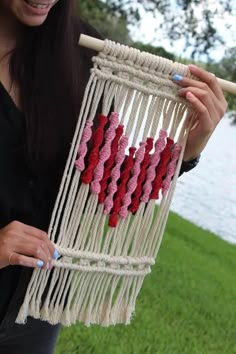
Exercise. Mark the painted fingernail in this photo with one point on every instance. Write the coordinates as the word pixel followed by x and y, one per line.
pixel 50 266
pixel 190 96
pixel 56 254
pixel 177 77
pixel 40 264
pixel 192 66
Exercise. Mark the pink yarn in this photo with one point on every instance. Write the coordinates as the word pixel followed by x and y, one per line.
pixel 82 151
pixel 171 168
pixel 115 174
pixel 104 153
pixel 132 184
pixel 151 171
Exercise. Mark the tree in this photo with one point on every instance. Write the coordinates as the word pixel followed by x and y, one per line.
pixel 194 20
pixel 226 69
pixel 153 50
pixel 114 25
pixel 101 16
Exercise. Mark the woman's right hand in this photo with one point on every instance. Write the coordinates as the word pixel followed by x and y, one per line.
pixel 25 245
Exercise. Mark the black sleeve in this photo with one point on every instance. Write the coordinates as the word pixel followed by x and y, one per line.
pixel 189 165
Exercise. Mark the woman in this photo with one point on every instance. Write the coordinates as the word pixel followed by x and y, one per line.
pixel 43 73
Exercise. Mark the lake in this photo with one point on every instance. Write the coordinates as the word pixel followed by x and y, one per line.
pixel 207 195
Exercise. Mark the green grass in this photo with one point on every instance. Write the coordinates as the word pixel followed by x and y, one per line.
pixel 187 304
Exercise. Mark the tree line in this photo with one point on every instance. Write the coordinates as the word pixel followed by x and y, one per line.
pixel 196 25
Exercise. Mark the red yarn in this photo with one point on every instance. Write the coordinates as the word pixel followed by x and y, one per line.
pixel 109 164
pixel 161 169
pixel 141 178
pixel 124 177
pixel 97 140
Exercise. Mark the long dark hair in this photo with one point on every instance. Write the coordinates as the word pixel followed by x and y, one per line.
pixel 47 66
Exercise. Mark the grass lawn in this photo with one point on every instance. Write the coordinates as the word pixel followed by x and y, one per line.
pixel 187 304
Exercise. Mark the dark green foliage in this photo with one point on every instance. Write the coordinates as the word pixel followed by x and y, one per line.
pixel 154 50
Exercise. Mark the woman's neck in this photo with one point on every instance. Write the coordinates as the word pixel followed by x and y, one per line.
pixel 10 30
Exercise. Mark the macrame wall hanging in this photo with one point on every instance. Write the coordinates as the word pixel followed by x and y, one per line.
pixel 106 223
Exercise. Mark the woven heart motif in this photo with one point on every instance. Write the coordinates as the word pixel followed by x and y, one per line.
pixel 123 181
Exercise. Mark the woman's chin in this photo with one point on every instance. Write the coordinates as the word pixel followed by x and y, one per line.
pixel 32 21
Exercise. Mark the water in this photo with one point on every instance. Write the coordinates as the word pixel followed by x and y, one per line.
pixel 207 195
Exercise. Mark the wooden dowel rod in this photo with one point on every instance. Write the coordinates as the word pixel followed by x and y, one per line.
pixel 98 45
pixel 91 43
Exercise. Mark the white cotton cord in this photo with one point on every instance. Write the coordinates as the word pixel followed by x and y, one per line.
pixel 99 307
pixel 154 231
pixel 112 238
pixel 91 258
pixel 133 114
pixel 130 97
pixel 136 287
pixel 144 233
pixel 70 161
pixel 68 315
pixel 122 95
pixel 93 103
pixel 86 222
pixel 133 232
pixel 94 233
pixel 75 296
pixel 91 297
pixel 148 119
pixel 140 118
pixel 69 207
pixel 32 288
pixel 168 113
pixel 119 238
pixel 109 95
pixel 99 240
pixel 59 289
pixel 34 294
pixel 101 269
pixel 157 117
pixel 136 70
pixel 107 239
pixel 177 117
pixel 80 295
pixel 65 293
pixel 75 146
pixel 64 183
pixel 136 235
pixel 47 304
pixel 108 303
pixel 75 219
pixel 137 86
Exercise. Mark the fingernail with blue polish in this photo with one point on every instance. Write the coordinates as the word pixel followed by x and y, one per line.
pixel 56 254
pixel 40 264
pixel 177 77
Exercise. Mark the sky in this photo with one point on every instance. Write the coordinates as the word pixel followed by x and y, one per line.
pixel 147 33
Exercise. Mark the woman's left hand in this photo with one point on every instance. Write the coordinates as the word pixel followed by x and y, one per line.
pixel 207 99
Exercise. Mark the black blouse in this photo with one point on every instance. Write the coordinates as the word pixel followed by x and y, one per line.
pixel 24 196
pixel 16 197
